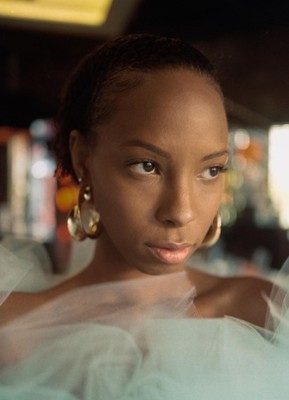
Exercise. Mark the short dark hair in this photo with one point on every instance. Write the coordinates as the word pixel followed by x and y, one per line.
pixel 110 69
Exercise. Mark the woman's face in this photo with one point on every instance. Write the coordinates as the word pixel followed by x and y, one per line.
pixel 156 170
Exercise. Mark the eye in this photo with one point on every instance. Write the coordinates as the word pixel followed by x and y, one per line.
pixel 212 173
pixel 144 167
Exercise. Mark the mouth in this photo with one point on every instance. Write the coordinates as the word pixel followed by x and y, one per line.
pixel 171 253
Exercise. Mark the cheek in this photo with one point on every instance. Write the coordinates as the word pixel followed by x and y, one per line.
pixel 121 209
pixel 210 204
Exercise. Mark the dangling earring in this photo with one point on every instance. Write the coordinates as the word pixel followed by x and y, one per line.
pixel 74 224
pixel 90 218
pixel 83 221
pixel 213 233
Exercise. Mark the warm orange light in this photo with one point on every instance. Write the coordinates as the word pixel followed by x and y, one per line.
pixel 66 197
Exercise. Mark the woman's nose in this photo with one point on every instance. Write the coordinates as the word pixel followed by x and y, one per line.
pixel 176 206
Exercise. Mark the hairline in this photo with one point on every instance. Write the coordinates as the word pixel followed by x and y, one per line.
pixel 132 78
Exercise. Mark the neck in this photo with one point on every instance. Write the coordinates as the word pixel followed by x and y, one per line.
pixel 109 265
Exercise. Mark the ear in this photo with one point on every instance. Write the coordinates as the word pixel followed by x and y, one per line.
pixel 79 154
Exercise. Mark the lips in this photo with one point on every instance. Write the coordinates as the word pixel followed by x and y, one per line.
pixel 171 253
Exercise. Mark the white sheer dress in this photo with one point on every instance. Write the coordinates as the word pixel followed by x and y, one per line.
pixel 109 341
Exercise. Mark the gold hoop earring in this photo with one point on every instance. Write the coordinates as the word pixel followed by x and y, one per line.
pixel 74 224
pixel 213 233
pixel 83 221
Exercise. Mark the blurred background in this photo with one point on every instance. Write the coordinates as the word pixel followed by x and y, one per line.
pixel 41 41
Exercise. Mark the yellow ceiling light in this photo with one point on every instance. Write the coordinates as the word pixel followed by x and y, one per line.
pixel 75 12
pixel 93 17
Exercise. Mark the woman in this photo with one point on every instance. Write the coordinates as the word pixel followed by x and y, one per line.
pixel 143 131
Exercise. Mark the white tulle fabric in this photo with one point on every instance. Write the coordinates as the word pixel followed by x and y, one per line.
pixel 115 341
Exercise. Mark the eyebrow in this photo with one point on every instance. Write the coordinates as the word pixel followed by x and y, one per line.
pixel 165 154
pixel 215 155
pixel 148 146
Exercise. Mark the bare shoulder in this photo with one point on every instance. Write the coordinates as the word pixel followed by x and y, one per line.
pixel 248 296
pixel 19 303
pixel 239 297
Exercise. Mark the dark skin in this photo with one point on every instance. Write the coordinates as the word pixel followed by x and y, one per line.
pixel 157 182
pixel 217 297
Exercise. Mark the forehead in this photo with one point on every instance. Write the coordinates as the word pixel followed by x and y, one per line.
pixel 166 101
